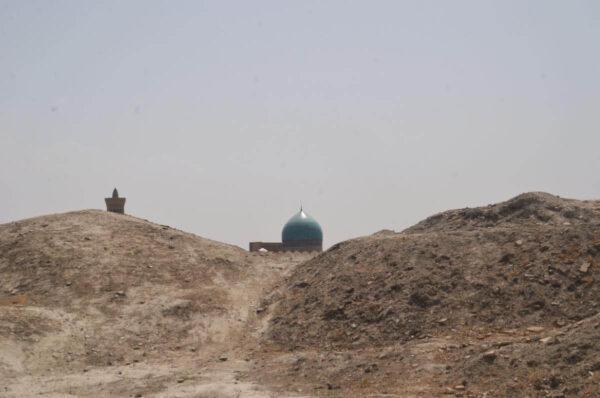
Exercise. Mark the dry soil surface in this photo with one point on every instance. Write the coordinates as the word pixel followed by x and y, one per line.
pixel 497 301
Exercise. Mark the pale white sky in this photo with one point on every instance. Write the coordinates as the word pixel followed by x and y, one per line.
pixel 219 117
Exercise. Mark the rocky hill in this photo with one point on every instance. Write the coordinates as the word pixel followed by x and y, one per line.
pixel 530 262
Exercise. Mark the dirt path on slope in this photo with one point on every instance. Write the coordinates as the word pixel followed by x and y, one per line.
pixel 212 369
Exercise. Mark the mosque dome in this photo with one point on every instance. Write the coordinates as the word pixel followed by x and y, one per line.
pixel 302 227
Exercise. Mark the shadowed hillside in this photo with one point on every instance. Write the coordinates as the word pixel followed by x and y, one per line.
pixel 532 261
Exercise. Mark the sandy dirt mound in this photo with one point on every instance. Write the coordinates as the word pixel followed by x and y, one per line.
pixel 99 304
pixel 145 286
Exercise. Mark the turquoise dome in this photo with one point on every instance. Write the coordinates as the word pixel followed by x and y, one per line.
pixel 301 227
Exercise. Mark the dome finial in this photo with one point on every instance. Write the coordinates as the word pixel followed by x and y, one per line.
pixel 115 193
pixel 300 206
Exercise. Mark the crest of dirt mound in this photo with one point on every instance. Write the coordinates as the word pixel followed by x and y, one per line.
pixel 73 257
pixel 532 260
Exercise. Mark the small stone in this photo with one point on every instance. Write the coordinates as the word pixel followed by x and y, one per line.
pixel 546 340
pixel 519 242
pixel 535 329
pixel 385 354
pixel 584 267
pixel 223 358
pixel 180 380
pixel 459 387
pixel 331 386
pixel 489 356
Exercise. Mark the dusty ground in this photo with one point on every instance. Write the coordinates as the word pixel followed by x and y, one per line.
pixel 498 301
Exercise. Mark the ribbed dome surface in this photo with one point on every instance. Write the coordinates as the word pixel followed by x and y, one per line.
pixel 301 227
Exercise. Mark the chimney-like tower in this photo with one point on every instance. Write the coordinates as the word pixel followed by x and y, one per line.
pixel 115 204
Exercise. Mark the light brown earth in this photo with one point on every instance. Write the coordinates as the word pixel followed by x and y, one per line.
pixel 498 301
pixel 99 304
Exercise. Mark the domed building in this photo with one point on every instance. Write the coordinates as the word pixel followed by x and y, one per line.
pixel 301 233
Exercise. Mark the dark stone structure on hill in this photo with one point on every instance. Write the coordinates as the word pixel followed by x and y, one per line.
pixel 115 204
pixel 301 233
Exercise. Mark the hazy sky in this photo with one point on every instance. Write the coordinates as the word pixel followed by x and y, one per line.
pixel 220 117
